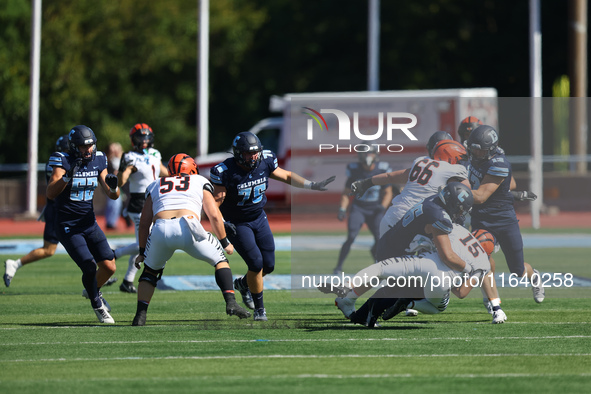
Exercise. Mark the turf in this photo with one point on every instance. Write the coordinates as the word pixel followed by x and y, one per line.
pixel 51 341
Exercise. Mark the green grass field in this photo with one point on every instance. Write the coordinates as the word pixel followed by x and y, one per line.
pixel 51 341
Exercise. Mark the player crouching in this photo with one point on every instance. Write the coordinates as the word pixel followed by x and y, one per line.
pixel 171 209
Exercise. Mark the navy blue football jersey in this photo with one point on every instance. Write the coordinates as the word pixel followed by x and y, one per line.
pixel 355 172
pixel 429 211
pixel 245 190
pixel 74 204
pixel 499 206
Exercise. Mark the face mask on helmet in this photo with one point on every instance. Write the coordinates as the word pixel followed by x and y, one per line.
pixel 467 126
pixel 482 143
pixel 368 158
pixel 82 142
pixel 247 149
pixel 142 137
pixel 457 199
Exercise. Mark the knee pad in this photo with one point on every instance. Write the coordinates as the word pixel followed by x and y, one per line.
pixel 151 276
pixel 268 270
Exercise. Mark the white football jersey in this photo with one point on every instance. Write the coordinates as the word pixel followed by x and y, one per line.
pixel 148 168
pixel 467 247
pixel 425 178
pixel 178 192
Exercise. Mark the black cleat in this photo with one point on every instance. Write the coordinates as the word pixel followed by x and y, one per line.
pixel 339 291
pixel 233 309
pixel 139 319
pixel 127 287
pixel 395 309
pixel 111 280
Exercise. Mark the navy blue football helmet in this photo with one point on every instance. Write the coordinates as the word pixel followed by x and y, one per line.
pixel 247 142
pixel 435 138
pixel 370 156
pixel 80 136
pixel 483 138
pixel 457 199
pixel 62 144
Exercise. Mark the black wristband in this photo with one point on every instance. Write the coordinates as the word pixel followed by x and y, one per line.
pixel 143 251
pixel 224 241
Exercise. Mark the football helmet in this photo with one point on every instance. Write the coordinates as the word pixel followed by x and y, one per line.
pixel 457 200
pixel 182 164
pixel 435 138
pixel 62 144
pixel 451 151
pixel 467 125
pixel 482 143
pixel 369 157
pixel 81 136
pixel 139 134
pixel 247 142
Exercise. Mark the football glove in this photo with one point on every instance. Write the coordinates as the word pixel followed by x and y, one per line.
pixel 230 229
pixel 111 181
pixel 524 195
pixel 321 185
pixel 341 215
pixel 73 170
pixel 358 188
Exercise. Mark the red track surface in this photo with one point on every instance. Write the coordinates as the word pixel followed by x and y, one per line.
pixel 282 223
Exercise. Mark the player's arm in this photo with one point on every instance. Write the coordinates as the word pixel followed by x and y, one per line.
pixel 219 194
pixel 56 184
pixel 293 179
pixel 124 173
pixel 488 186
pixel 216 220
pixel 389 178
pixel 463 290
pixel 163 170
pixel 109 184
pixel 144 230
pixel 445 251
pixel 513 185
pixel 387 195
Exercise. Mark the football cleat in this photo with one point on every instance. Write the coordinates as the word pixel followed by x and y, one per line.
pixel 411 312
pixel 538 288
pixel 244 292
pixel 233 309
pixel 366 315
pixel 103 315
pixel 400 305
pixel 260 315
pixel 127 287
pixel 111 280
pixel 346 305
pixel 339 291
pixel 139 319
pixel 499 317
pixel 9 271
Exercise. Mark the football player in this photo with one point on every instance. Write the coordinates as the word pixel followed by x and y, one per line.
pixel 490 175
pixel 369 208
pixel 423 179
pixel 50 240
pixel 172 208
pixel 140 167
pixel 240 183
pixel 74 178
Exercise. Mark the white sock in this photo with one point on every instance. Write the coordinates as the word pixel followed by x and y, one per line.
pixel 18 263
pixel 131 270
pixel 125 250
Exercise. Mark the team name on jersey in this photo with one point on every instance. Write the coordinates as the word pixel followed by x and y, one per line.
pixel 87 173
pixel 252 183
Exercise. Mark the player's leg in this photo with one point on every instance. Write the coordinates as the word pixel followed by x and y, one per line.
pixel 127 283
pixel 245 245
pixel 354 223
pixel 373 220
pixel 266 245
pixel 159 249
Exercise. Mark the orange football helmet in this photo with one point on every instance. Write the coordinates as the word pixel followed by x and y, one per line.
pixel 182 163
pixel 451 151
